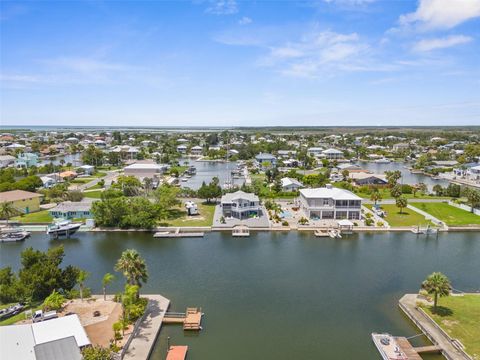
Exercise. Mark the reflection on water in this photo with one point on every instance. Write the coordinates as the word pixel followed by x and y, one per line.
pixel 206 170
pixel 278 295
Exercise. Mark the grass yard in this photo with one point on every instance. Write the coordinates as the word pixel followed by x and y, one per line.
pixel 407 218
pixel 99 174
pixel 36 217
pixel 386 195
pixel 95 187
pixel 178 216
pixel 450 215
pixel 97 194
pixel 82 180
pixel 459 316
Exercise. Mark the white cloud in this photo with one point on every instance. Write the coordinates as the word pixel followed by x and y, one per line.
pixel 245 20
pixel 441 14
pixel 349 2
pixel 441 43
pixel 319 52
pixel 222 7
pixel 86 65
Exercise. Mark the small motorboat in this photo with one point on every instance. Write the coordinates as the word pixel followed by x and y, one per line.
pixel 63 228
pixel 14 236
pixel 321 233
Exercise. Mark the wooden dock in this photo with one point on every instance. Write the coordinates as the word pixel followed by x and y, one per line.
pixel 191 318
pixel 177 234
pixel 177 352
pixel 413 352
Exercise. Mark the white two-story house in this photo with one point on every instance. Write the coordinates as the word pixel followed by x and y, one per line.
pixel 240 205
pixel 330 203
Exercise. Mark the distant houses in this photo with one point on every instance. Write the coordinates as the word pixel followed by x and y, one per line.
pixel 143 170
pixel 332 154
pixel 6 160
pixel 290 185
pixel 265 161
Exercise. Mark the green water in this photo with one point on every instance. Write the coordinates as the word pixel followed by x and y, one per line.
pixel 279 296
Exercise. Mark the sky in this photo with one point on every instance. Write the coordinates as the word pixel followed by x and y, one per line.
pixel 240 63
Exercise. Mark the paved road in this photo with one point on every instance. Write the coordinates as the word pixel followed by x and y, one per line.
pixel 430 328
pixel 111 176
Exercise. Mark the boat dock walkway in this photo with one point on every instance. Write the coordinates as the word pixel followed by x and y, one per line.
pixel 144 337
pixel 177 234
pixel 191 318
pixel 413 352
pixel 178 352
pixel 449 347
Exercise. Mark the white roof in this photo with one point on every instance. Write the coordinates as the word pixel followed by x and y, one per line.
pixel 332 151
pixel 332 193
pixel 286 181
pixel 345 222
pixel 60 328
pixel 145 166
pixel 17 342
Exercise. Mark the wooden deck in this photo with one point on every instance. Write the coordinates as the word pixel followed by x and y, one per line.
pixel 191 318
pixel 407 348
pixel 177 234
pixel 177 352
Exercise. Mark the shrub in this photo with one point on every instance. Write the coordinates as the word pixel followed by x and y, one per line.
pixel 284 223
pixel 369 221
pixel 96 353
pixel 54 301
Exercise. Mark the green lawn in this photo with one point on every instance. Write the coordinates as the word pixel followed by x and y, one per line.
pixel 407 218
pixel 386 195
pixel 450 215
pixel 459 316
pixel 178 216
pixel 95 187
pixel 99 174
pixel 36 217
pixel 97 194
pixel 82 180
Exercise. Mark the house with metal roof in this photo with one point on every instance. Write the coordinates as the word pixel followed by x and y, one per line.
pixel 330 203
pixel 240 205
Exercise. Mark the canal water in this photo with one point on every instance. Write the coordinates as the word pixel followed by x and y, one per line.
pixel 278 295
pixel 207 170
pixel 407 176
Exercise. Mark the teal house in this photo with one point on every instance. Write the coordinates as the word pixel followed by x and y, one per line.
pixel 26 160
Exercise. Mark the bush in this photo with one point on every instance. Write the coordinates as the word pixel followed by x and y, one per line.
pixel 96 353
pixel 284 223
pixel 54 301
pixel 369 221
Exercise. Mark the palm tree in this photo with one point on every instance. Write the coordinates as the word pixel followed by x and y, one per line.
pixel 107 279
pixel 401 203
pixel 473 197
pixel 82 276
pixel 375 196
pixel 133 267
pixel 438 285
pixel 7 210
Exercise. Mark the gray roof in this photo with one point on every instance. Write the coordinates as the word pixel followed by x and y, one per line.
pixel 237 195
pixel 264 156
pixel 61 349
pixel 72 206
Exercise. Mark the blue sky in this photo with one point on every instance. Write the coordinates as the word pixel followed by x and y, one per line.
pixel 239 63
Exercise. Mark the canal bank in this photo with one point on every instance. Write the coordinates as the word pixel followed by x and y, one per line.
pixel 277 295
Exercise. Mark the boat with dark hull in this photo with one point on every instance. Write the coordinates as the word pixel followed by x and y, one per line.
pixel 63 228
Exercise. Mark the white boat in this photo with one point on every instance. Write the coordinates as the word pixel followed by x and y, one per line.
pixel 14 236
pixel 388 347
pixel 382 161
pixel 184 179
pixel 63 228
pixel 321 233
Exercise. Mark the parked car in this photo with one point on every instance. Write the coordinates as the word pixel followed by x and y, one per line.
pixel 39 315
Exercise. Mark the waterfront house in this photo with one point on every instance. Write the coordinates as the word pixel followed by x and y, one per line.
pixel 182 149
pixel 348 166
pixel 240 205
pixel 26 160
pixel 285 154
pixel 330 203
pixel 365 178
pixel 6 160
pixel 196 150
pixel 332 154
pixel 265 161
pixel 68 175
pixel 145 170
pixel 56 339
pixel 72 210
pixel 24 202
pixel 401 147
pixel 290 184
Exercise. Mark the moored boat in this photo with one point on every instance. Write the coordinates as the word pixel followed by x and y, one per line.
pixel 63 228
pixel 14 236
